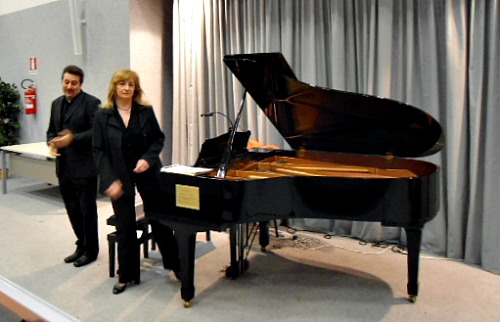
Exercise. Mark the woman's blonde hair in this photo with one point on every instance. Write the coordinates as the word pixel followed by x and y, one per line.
pixel 124 75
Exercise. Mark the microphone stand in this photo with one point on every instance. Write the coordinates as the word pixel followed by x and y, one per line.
pixel 220 113
pixel 221 173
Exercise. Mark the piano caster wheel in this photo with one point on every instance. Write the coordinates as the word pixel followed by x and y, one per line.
pixel 188 304
pixel 412 298
pixel 232 272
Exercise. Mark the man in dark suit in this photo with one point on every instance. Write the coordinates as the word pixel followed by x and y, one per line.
pixel 69 137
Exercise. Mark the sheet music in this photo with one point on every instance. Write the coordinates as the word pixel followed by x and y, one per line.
pixel 185 169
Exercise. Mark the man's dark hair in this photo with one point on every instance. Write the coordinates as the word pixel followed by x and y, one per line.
pixel 74 70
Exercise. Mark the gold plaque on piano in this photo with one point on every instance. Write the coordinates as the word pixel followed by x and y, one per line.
pixel 187 196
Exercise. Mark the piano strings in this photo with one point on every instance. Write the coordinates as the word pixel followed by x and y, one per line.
pixel 279 166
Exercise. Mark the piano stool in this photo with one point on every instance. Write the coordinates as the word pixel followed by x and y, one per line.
pixel 142 225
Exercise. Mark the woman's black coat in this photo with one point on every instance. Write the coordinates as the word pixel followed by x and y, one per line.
pixel 107 146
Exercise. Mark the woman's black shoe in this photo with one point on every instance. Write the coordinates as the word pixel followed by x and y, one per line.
pixel 119 288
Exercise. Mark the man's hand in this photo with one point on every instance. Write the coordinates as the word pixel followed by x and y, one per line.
pixel 63 140
pixel 53 150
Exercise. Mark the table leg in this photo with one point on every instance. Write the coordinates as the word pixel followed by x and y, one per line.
pixel 4 173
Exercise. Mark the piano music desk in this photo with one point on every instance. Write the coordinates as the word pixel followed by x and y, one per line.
pixel 31 160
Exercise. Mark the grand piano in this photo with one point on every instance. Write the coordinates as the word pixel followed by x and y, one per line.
pixel 351 159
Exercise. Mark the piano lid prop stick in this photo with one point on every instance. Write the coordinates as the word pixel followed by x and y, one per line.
pixel 221 173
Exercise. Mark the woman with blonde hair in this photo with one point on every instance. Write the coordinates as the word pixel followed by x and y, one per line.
pixel 126 145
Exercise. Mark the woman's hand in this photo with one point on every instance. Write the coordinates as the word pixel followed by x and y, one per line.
pixel 115 190
pixel 141 166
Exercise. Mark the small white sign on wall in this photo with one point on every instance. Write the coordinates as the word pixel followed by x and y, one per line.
pixel 33 65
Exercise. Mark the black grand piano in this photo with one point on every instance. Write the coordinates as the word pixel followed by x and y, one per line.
pixel 350 159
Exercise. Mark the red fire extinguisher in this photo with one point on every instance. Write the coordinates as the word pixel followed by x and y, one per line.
pixel 30 100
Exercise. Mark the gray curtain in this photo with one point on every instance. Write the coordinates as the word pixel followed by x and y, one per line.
pixel 440 56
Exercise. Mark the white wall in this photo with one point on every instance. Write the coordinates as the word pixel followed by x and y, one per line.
pixel 115 34
pixel 146 48
pixel 150 55
pixel 10 6
pixel 45 32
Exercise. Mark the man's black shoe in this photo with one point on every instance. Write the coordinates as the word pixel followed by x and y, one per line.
pixel 73 257
pixel 84 260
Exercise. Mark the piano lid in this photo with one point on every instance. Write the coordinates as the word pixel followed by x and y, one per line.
pixel 316 118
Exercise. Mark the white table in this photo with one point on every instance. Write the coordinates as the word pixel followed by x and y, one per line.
pixel 31 160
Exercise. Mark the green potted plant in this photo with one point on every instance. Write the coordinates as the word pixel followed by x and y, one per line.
pixel 9 114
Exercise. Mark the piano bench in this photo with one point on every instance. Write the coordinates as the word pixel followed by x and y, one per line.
pixel 142 225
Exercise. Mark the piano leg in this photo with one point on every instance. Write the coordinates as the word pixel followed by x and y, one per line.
pixel 264 235
pixel 414 240
pixel 186 241
pixel 239 262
